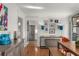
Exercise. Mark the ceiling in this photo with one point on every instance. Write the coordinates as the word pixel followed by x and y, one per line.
pixel 65 9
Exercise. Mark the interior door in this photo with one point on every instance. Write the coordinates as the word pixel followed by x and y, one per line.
pixel 31 32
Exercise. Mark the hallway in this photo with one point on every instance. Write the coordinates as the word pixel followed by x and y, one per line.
pixel 33 50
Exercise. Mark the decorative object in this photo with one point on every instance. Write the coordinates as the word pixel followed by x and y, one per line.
pixel 45 23
pixel 77 43
pixel 5 39
pixel 42 27
pixel 3 17
pixel 46 29
pixel 60 27
pixel 65 39
pixel 52 25
pixel 51 20
pixel 15 38
pixel 56 21
pixel 52 31
pixel 52 28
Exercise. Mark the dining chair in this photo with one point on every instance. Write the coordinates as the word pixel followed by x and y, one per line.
pixel 64 39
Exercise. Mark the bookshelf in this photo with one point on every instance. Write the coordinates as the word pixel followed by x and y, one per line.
pixel 75 27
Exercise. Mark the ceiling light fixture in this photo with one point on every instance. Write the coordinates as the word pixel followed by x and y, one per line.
pixel 33 7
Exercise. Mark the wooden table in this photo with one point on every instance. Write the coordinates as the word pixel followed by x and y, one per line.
pixel 53 51
pixel 70 46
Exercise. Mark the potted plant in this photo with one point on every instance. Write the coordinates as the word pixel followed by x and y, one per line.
pixel 77 42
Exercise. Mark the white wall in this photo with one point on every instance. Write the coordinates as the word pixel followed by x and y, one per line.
pixel 13 13
pixel 38 18
pixel 22 15
pixel 12 18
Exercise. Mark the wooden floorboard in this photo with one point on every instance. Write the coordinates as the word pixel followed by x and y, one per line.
pixel 33 50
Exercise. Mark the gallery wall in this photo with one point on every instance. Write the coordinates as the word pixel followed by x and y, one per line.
pixel 39 20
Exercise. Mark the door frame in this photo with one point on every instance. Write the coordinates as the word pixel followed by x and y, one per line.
pixel 21 19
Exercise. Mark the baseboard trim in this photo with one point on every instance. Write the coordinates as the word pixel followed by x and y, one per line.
pixel 43 47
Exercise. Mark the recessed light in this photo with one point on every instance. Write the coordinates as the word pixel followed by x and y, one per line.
pixel 33 7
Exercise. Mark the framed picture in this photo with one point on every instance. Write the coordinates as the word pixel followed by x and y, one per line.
pixel 52 31
pixel 46 29
pixel 42 27
pixel 3 17
pixel 56 21
pixel 60 27
pixel 52 28
pixel 51 20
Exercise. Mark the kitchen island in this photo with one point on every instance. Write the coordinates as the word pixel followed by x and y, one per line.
pixel 13 49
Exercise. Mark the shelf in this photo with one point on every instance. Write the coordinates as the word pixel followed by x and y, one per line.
pixel 75 26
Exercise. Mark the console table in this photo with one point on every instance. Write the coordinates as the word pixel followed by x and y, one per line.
pixel 43 40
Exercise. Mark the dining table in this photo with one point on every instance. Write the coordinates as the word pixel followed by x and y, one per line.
pixel 70 46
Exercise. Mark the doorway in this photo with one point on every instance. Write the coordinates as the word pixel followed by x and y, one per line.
pixel 31 32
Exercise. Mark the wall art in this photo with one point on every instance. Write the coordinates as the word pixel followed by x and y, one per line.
pixel 3 17
pixel 56 21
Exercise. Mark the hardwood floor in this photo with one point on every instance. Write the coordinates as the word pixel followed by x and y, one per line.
pixel 33 50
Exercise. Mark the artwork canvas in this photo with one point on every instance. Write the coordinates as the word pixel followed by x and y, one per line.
pixel 51 20
pixel 42 27
pixel 52 28
pixel 60 27
pixel 52 31
pixel 46 29
pixel 56 21
pixel 3 17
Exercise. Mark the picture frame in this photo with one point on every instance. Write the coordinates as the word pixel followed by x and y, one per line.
pixel 3 17
pixel 52 31
pixel 42 27
pixel 56 21
pixel 52 28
